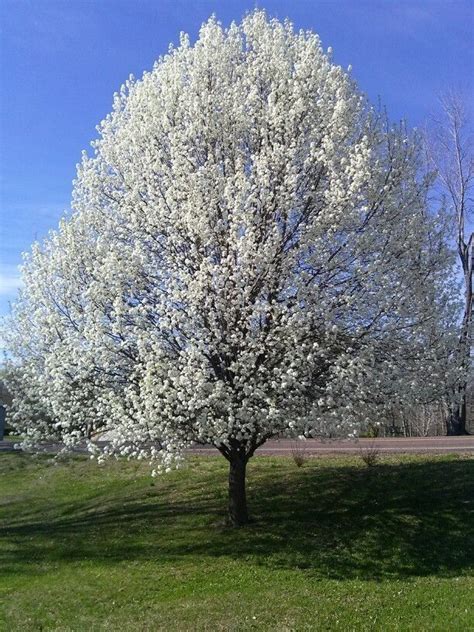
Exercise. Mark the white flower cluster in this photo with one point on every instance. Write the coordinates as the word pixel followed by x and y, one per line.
pixel 249 255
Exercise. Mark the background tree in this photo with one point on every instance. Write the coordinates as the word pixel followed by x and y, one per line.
pixel 450 146
pixel 249 255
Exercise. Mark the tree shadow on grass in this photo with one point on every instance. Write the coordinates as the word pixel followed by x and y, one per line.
pixel 393 521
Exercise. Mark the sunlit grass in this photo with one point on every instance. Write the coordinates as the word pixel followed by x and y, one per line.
pixel 334 546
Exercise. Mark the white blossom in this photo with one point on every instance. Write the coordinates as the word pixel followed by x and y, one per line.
pixel 249 255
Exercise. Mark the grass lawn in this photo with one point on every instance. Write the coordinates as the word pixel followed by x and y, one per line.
pixel 335 546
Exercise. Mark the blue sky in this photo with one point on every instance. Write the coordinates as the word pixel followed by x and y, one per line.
pixel 62 60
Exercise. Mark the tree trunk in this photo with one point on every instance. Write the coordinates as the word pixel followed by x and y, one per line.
pixel 238 513
pixel 456 422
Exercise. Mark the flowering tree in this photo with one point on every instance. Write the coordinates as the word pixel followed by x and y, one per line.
pixel 249 255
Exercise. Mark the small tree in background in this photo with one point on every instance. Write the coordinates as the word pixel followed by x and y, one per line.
pixel 450 143
pixel 249 255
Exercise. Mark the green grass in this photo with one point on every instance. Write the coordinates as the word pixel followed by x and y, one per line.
pixel 335 546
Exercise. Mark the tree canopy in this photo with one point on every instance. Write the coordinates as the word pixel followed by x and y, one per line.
pixel 249 254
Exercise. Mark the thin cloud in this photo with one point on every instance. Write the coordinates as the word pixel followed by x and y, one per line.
pixel 10 280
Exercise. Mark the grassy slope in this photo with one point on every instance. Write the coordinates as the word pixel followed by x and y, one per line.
pixel 335 546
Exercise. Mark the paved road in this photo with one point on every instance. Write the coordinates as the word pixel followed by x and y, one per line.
pixel 434 445
pixel 284 447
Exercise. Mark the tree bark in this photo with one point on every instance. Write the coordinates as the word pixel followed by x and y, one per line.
pixel 456 422
pixel 458 418
pixel 238 514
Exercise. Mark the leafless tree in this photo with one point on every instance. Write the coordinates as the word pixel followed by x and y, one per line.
pixel 451 152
